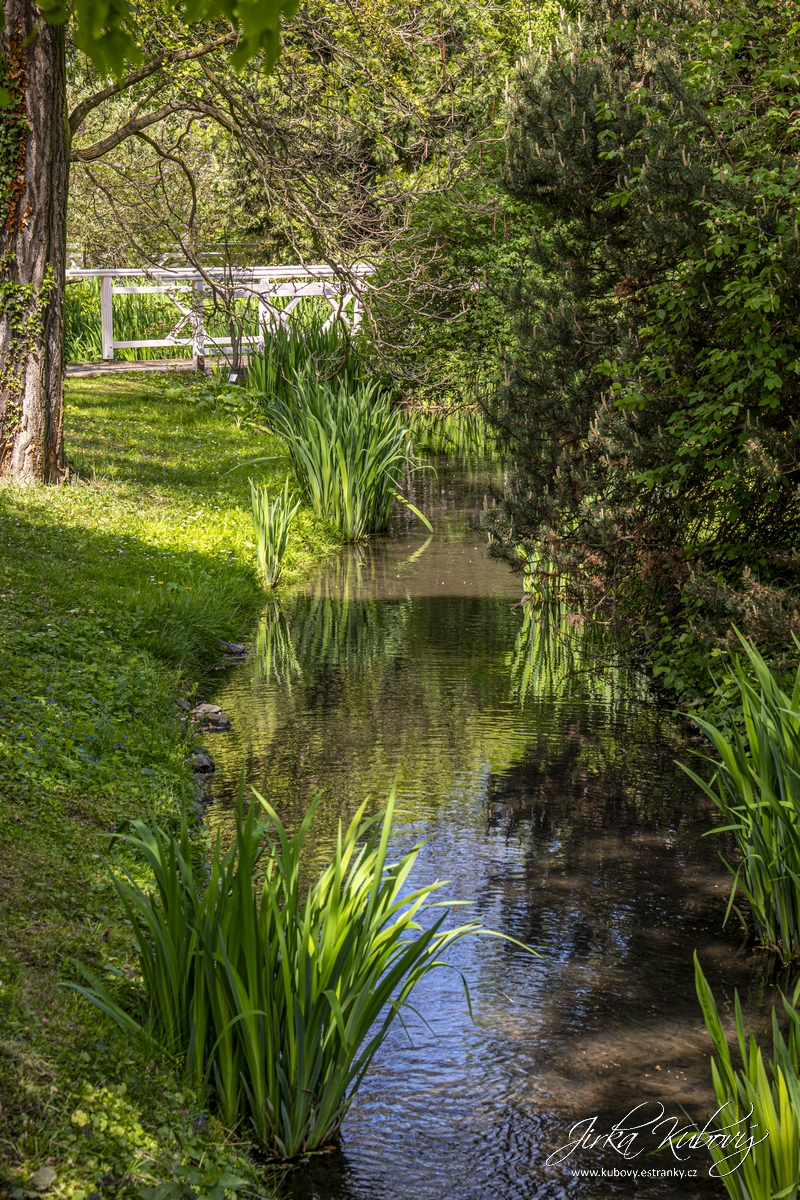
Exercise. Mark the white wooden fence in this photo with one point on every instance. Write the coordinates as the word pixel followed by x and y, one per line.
pixel 188 289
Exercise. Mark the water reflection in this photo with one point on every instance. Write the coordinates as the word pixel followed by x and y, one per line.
pixel 546 785
pixel 560 655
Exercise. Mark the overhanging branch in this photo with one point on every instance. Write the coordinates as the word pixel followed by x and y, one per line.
pixel 82 110
pixel 98 149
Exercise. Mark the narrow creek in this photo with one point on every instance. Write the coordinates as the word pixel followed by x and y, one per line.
pixel 546 785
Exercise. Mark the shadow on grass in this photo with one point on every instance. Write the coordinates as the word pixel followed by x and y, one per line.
pixel 135 436
pixel 176 605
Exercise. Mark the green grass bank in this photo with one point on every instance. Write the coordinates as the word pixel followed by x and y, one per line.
pixel 115 592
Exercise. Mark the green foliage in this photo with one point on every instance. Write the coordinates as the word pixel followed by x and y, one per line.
pixel 348 450
pixel 652 396
pixel 278 995
pixel 108 34
pixel 757 789
pixel 767 1108
pixel 272 522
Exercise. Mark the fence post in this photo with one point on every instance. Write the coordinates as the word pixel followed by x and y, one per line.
pixel 198 328
pixel 106 317
pixel 356 313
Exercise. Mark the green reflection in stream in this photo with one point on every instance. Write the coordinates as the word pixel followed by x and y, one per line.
pixel 559 654
pixel 347 693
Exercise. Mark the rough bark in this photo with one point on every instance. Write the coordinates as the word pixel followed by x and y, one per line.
pixel 33 249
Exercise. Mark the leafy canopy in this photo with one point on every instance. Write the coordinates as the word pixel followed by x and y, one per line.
pixel 107 32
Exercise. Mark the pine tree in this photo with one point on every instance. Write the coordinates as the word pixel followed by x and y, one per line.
pixel 652 397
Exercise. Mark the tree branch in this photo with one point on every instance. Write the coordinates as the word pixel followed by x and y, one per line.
pixel 82 110
pixel 98 149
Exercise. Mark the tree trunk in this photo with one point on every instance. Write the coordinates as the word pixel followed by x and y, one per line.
pixel 34 176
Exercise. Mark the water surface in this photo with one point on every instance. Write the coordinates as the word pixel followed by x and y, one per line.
pixel 543 777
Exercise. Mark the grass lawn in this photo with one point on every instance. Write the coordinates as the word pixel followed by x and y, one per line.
pixel 115 592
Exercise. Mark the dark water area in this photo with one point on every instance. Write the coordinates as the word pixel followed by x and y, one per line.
pixel 544 778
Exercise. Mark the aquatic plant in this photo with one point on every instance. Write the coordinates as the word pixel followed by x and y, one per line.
pixel 347 444
pixel 754 1105
pixel 273 995
pixel 304 350
pixel 272 522
pixel 756 786
pixel 348 450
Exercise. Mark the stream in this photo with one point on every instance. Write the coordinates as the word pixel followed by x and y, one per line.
pixel 544 778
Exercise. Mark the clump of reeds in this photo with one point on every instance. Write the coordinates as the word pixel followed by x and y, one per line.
pixel 289 354
pixel 348 449
pixel 757 788
pixel 754 1107
pixel 272 521
pixel 273 995
pixel 348 445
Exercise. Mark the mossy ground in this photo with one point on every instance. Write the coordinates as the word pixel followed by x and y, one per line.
pixel 115 592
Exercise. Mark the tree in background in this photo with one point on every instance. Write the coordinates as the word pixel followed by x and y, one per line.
pixel 653 396
pixel 37 139
pixel 378 136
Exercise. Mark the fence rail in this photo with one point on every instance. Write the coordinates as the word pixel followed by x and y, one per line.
pixel 188 289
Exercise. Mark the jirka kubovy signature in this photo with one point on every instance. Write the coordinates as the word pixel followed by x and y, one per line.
pixel 627 1138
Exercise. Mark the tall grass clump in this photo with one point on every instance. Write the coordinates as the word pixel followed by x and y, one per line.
pixel 272 521
pixel 755 1144
pixel 757 788
pixel 348 450
pixel 274 995
pixel 290 354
